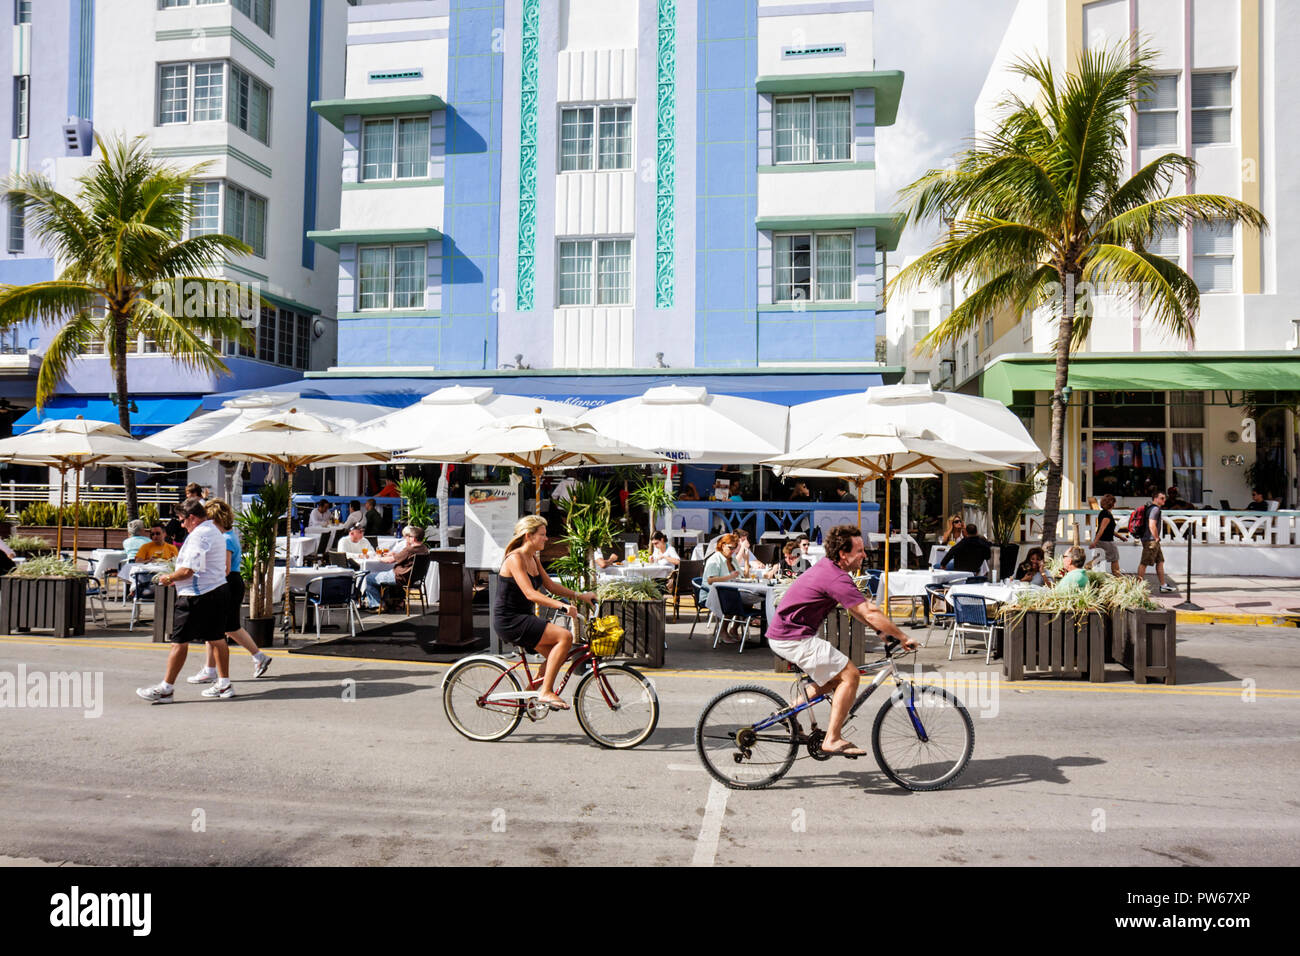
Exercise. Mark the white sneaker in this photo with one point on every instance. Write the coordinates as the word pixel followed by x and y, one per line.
pixel 154 694
pixel 224 693
pixel 204 676
pixel 1168 589
pixel 259 667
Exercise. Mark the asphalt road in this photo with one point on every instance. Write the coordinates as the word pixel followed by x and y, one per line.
pixel 294 772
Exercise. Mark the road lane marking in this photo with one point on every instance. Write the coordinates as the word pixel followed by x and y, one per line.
pixel 706 845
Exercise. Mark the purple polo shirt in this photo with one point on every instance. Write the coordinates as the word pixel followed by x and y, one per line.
pixel 810 599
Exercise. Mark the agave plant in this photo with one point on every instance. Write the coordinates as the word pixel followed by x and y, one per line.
pixel 653 495
pixel 419 513
pixel 588 525
pixel 258 525
pixel 1010 498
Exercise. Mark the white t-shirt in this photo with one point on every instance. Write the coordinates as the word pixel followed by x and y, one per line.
pixel 318 520
pixel 662 559
pixel 348 546
pixel 353 519
pixel 204 553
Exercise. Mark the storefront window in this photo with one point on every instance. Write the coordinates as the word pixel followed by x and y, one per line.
pixel 1127 466
pixel 1128 409
pixel 1189 465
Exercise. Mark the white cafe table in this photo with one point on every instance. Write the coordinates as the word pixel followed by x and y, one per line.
pixel 298 578
pixel 914 583
pixel 637 572
pixel 999 593
pixel 766 591
pixel 878 537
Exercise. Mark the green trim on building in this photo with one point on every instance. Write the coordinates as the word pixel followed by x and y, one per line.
pixel 818 307
pixel 526 248
pixel 168 152
pixel 289 303
pixel 396 184
pixel 333 111
pixel 888 85
pixel 813 167
pixel 889 227
pixel 247 272
pixel 333 238
pixel 666 155
pixel 187 34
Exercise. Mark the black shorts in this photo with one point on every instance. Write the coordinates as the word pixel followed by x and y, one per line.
pixel 522 630
pixel 234 602
pixel 200 618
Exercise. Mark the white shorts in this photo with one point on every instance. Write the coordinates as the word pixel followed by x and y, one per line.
pixel 815 656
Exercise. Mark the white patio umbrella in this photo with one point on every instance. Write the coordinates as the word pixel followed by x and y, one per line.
pixel 885 454
pixel 291 440
pixel 442 416
pixel 536 442
pixel 76 444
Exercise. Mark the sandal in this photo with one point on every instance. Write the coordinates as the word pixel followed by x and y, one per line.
pixel 557 704
pixel 848 750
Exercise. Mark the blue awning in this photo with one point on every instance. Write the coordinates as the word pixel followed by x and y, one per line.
pixel 584 391
pixel 152 414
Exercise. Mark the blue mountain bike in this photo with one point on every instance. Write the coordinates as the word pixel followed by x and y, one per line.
pixel 748 736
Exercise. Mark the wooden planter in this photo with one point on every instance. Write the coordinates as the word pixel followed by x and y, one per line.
pixel 846 633
pixel 1143 642
pixel 643 630
pixel 57 604
pixel 1056 645
pixel 87 538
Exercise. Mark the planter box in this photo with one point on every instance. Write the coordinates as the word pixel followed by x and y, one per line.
pixel 643 630
pixel 164 612
pixel 88 539
pixel 57 604
pixel 846 634
pixel 1057 645
pixel 1143 642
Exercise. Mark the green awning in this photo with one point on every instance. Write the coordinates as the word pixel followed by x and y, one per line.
pixel 888 85
pixel 1143 372
pixel 888 226
pixel 334 110
pixel 333 238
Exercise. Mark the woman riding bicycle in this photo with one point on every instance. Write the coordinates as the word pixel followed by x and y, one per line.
pixel 522 581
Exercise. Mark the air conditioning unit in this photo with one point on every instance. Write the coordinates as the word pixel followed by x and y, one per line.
pixel 78 136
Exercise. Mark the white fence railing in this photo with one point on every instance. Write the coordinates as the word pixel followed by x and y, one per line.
pixel 1254 528
pixel 16 496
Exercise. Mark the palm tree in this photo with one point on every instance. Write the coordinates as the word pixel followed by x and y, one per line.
pixel 119 240
pixel 1041 214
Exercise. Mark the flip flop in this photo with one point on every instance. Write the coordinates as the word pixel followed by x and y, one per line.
pixel 554 704
pixel 850 751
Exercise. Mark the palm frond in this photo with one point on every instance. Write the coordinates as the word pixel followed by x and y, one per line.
pixel 47 302
pixel 1167 292
pixel 64 348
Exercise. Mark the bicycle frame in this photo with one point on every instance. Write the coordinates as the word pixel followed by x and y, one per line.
pixel 579 655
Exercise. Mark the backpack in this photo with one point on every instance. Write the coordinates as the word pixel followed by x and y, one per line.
pixel 1137 520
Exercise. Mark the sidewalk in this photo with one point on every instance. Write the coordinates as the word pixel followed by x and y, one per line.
pixel 1235 600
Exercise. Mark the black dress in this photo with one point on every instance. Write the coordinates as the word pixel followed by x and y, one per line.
pixel 513 619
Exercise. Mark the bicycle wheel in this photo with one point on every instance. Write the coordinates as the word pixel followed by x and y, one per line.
pixel 463 687
pixel 619 708
pixel 917 764
pixel 736 754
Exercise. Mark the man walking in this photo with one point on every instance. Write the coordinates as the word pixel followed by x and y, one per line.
pixel 1152 525
pixel 200 579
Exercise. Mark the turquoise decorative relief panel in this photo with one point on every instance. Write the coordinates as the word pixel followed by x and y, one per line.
pixel 666 153
pixel 525 276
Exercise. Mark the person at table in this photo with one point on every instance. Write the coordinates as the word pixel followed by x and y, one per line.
pixel 356 517
pixel 793 561
pixel 1032 570
pixel 793 635
pixel 355 544
pixel 157 548
pixel 1174 499
pixel 599 560
pixel 320 515
pixel 374 518
pixel 968 554
pixel 174 530
pixel 688 492
pixel 402 559
pixel 746 559
pixel 842 493
pixel 800 492
pixel 1258 501
pixel 663 554
pixel 1075 577
pixel 390 489
pixel 954 532
pixel 136 538
pixel 523 583
pixel 1104 539
pixel 721 566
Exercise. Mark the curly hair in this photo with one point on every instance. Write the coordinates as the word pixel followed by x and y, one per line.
pixel 220 513
pixel 840 540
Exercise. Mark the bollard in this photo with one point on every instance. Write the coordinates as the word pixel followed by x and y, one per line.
pixel 1187 605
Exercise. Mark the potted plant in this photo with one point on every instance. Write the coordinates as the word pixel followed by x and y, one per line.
pixel 257 525
pixel 1010 498
pixel 656 498
pixel 28 545
pixel 45 592
pixel 419 512
pixel 588 525
pixel 640 609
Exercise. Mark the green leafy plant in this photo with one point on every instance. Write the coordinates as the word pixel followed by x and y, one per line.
pixel 654 497
pixel 258 524
pixel 588 525
pixel 28 542
pixel 1010 498
pixel 1104 594
pixel 632 590
pixel 47 566
pixel 419 512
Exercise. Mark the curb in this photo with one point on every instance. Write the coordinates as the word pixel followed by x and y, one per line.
pixel 1280 619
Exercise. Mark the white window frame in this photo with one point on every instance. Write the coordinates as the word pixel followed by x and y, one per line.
pixel 22 12
pixel 593 157
pixel 814 291
pixel 229 71
pixel 920 329
pixel 1216 256
pixel 594 290
pixel 811 99
pixel 396 122
pixel 1158 111
pixel 390 293
pixel 22 106
pixel 233 114
pixel 16 229
pixel 226 187
pixel 269 5
pixel 1214 109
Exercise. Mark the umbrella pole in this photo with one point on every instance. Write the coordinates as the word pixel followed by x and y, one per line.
pixel 288 558
pixel 58 537
pixel 857 486
pixel 537 488
pixel 76 512
pixel 888 481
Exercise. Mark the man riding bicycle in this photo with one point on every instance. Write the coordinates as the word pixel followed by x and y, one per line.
pixel 793 633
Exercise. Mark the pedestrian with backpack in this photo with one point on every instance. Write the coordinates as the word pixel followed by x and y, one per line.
pixel 1151 523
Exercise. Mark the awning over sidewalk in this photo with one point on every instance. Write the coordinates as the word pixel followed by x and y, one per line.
pixel 153 414
pixel 583 390
pixel 1148 371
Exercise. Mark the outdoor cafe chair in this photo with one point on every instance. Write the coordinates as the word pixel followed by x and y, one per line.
pixel 142 591
pixel 95 590
pixel 682 583
pixel 331 591
pixel 970 616
pixel 735 611
pixel 701 602
pixel 941 613
pixel 419 572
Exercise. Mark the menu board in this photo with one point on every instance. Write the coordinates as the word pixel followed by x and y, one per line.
pixel 490 515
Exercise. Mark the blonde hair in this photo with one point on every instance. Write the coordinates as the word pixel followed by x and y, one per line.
pixel 523 528
pixel 220 513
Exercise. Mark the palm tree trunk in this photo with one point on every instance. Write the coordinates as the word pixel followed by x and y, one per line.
pixel 1056 450
pixel 124 407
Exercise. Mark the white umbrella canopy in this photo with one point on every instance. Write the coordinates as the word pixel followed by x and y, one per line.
pixel 979 425
pixel 237 414
pixel 536 442
pixel 690 423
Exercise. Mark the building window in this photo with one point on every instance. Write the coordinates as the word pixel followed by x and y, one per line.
pixel 285 338
pixel 22 106
pixel 173 93
pixel 261 12
pixel 391 277
pixel 1158 112
pixel 205 202
pixel 246 218
pixel 1212 247
pixel 1211 108
pixel 815 267
pixel 814 129
pixel 988 333
pixel 1167 243
pixel 22 11
pixel 17 227
pixel 250 104
pixel 920 324
pixel 595 137
pixel 266 335
pixel 395 148
pixel 209 91
pixel 596 271
pixel 965 361
pixel 302 342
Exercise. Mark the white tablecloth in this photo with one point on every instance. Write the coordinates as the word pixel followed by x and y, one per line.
pixel 913 583
pixel 998 593
pixel 768 593
pixel 298 578
pixel 128 570
pixel 635 572
pixel 878 537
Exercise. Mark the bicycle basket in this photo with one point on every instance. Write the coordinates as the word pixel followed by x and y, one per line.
pixel 605 634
